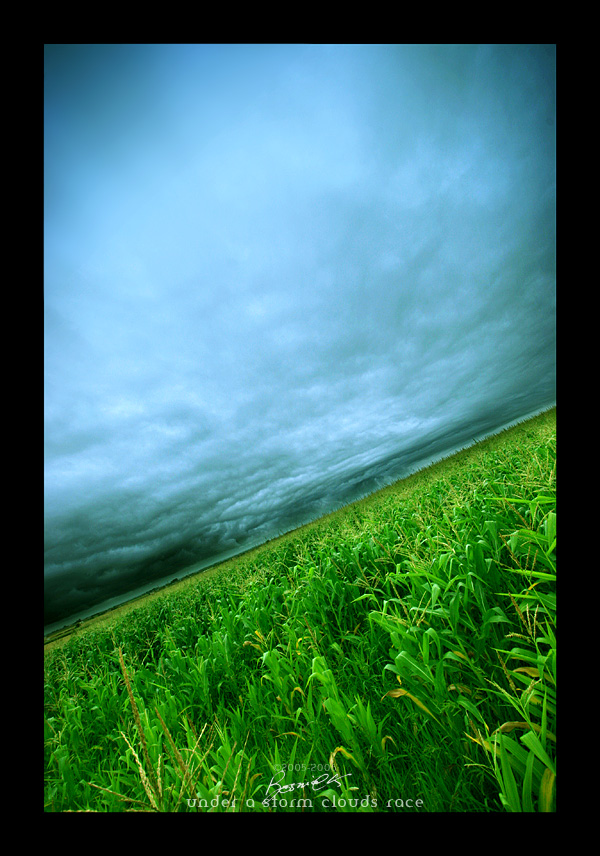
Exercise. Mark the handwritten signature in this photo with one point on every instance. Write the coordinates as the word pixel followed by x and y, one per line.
pixel 316 784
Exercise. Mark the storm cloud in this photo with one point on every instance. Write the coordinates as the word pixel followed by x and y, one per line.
pixel 278 277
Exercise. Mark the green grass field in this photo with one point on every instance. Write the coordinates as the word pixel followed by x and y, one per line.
pixel 397 655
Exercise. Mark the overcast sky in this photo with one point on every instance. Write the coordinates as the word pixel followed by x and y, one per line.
pixel 278 277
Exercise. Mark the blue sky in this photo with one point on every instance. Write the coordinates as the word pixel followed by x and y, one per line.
pixel 278 277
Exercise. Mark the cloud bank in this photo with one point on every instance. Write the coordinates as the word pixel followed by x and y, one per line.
pixel 278 277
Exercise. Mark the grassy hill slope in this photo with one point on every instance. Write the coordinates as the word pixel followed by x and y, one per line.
pixel 397 655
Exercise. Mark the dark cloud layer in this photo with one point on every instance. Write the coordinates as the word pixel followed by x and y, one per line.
pixel 276 278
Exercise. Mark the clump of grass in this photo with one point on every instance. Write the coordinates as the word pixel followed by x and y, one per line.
pixel 399 655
